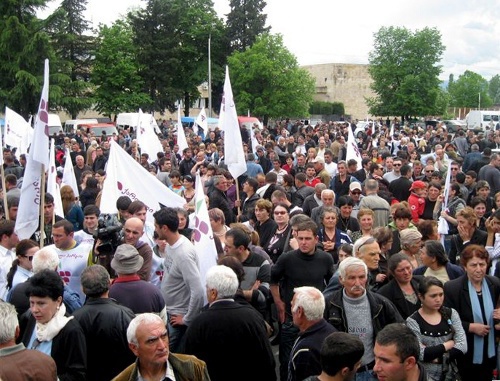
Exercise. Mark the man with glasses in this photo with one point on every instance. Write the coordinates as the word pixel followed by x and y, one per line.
pixel 396 172
pixel 358 311
pixel 355 195
pixel 428 171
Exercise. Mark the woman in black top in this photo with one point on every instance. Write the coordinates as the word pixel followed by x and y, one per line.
pixel 281 234
pixel 433 192
pixel 264 224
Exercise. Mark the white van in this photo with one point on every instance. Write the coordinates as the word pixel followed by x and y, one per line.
pixel 72 125
pixel 55 125
pixel 482 120
pixel 131 119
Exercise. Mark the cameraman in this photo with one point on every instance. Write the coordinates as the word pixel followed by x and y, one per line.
pixel 90 224
pixel 133 229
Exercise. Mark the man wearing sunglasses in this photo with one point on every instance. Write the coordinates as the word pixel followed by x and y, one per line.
pixel 396 171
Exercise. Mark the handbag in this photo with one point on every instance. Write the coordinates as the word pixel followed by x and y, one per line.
pixel 450 369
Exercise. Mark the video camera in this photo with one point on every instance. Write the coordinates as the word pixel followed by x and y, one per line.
pixel 109 232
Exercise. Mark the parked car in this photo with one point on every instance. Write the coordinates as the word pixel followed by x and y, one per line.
pixel 454 125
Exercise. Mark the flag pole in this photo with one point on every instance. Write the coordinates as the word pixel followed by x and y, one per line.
pixel 42 207
pixel 209 76
pixel 236 182
pixel 6 206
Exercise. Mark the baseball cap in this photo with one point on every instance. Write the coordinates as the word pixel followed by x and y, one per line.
pixel 354 185
pixel 418 185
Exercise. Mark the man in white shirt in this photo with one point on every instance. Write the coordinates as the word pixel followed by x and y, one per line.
pixel 280 172
pixel 330 166
pixel 8 241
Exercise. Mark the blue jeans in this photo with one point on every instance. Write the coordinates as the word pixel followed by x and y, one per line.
pixel 176 337
pixel 289 334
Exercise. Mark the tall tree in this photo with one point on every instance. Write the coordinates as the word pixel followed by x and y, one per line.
pixel 23 47
pixel 494 89
pixel 244 23
pixel 405 71
pixel 268 81
pixel 469 90
pixel 119 87
pixel 71 37
pixel 172 36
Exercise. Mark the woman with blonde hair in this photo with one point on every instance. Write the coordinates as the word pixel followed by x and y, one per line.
pixel 72 211
pixel 218 223
pixel 411 243
pixel 468 234
pixel 366 218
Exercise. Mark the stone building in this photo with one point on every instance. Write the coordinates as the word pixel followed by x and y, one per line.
pixel 346 83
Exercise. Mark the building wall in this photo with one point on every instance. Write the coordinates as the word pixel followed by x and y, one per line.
pixel 346 83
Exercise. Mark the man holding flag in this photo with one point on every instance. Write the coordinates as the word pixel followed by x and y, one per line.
pixel 28 214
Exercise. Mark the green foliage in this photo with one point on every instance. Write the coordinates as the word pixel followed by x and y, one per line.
pixel 326 108
pixel 405 71
pixel 464 92
pixel 244 23
pixel 74 48
pixel 119 87
pixel 24 45
pixel 172 40
pixel 494 89
pixel 267 80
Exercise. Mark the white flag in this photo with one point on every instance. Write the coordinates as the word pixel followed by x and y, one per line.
pixel 41 134
pixel 147 139
pixel 234 156
pixel 16 128
pixel 69 177
pixel 52 185
pixel 201 120
pixel 391 132
pixel 181 136
pixel 26 140
pixel 443 227
pixel 126 177
pixel 203 235
pixel 352 148
pixel 153 124
pixel 28 213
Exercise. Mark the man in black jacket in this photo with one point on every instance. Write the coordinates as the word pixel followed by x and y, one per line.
pixel 104 323
pixel 358 311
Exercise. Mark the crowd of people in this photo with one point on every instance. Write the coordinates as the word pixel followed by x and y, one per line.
pixel 345 270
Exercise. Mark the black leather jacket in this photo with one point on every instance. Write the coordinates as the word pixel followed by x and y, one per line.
pixel 382 310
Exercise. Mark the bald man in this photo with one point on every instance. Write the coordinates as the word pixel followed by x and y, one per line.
pixel 133 229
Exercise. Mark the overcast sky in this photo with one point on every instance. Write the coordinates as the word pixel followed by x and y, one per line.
pixel 327 31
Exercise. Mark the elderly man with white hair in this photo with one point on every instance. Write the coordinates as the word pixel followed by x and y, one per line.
pixel 229 333
pixel 17 362
pixel 328 200
pixel 147 338
pixel 356 310
pixel 308 307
